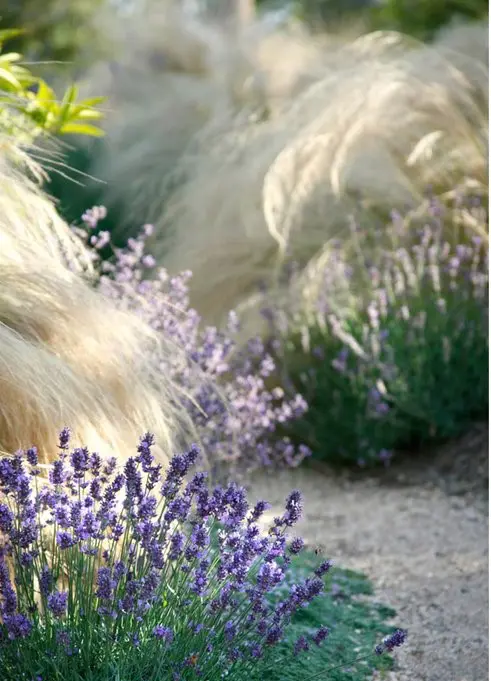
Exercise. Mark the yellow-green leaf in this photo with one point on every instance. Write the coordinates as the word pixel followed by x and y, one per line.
pixel 8 33
pixel 10 57
pixel 67 103
pixel 69 98
pixel 88 115
pixel 45 94
pixel 7 76
pixel 81 129
pixel 92 101
pixel 87 104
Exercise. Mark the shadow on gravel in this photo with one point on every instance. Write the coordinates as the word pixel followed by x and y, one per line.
pixel 459 468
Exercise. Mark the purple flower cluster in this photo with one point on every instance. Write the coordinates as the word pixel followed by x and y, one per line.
pixel 144 556
pixel 227 397
pixel 401 358
pixel 395 640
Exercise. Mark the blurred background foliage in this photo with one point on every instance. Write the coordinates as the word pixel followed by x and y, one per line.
pixel 419 18
pixel 70 33
pixel 423 18
pixel 62 31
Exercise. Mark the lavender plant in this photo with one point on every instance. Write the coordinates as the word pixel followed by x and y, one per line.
pixel 225 392
pixel 143 575
pixel 404 363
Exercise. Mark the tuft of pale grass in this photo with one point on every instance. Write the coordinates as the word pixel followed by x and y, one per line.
pixel 390 118
pixel 249 145
pixel 174 76
pixel 398 119
pixel 67 356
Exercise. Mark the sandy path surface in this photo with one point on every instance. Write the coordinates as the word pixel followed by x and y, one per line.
pixel 420 532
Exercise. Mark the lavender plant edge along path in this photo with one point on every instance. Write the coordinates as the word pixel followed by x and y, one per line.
pixel 421 535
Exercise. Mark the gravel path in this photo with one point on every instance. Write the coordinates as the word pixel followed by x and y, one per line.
pixel 420 532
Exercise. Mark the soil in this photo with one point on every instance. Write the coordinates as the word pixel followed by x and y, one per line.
pixel 419 531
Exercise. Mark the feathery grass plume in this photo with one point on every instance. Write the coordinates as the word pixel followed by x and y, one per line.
pixel 406 118
pixel 164 59
pixel 189 72
pixel 391 117
pixel 337 128
pixel 66 355
pixel 399 118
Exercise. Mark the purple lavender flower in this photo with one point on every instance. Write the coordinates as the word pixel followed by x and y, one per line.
pixel 294 509
pixel 57 603
pixel 63 639
pixel 258 510
pixel 46 581
pixel 17 625
pixel 274 635
pixel 64 438
pixel 165 566
pixel 80 460
pixel 94 215
pixel 256 651
pixel 6 519
pixel 229 631
pixel 300 645
pixel 233 417
pixel 163 633
pixel 321 634
pixel 269 575
pixel 32 456
pixel 57 472
pixel 323 568
pixel 133 479
pixel 65 540
pixel 176 545
pixel 105 584
pixel 296 546
pixel 396 639
pixel 9 597
pixel 89 527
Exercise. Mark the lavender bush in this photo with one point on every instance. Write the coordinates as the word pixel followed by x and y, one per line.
pixel 403 364
pixel 225 393
pixel 143 575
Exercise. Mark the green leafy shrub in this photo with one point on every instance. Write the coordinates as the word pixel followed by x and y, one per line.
pixel 318 13
pixel 29 107
pixel 423 18
pixel 405 364
pixel 419 18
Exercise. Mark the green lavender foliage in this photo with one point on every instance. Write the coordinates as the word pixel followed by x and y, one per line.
pixel 143 574
pixel 402 365
pixel 355 622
